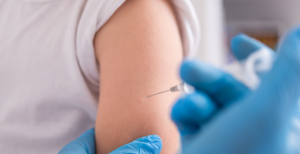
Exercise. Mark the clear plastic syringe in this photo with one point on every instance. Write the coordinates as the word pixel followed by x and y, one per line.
pixel 181 87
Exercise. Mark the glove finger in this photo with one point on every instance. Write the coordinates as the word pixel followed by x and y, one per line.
pixel 84 144
pixel 222 87
pixel 242 46
pixel 192 111
pixel 151 144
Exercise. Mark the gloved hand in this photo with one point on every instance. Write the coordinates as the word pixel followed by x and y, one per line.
pixel 224 116
pixel 85 144
pixel 227 89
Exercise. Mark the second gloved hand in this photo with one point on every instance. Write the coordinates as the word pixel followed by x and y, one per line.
pixel 255 122
pixel 85 144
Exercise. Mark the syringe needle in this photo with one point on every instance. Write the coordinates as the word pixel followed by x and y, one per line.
pixel 158 93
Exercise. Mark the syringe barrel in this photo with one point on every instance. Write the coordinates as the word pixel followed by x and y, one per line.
pixel 177 88
pixel 182 87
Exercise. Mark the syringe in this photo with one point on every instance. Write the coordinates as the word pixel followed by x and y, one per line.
pixel 258 61
pixel 181 87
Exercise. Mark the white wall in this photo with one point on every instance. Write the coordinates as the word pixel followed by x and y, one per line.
pixel 210 12
pixel 285 12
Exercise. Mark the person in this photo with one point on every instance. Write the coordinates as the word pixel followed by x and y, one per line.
pixel 67 66
pixel 224 116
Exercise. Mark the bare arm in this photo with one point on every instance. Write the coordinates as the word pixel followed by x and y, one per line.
pixel 139 51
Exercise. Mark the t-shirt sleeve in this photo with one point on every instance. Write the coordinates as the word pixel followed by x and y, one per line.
pixel 94 15
pixel 189 27
pixel 97 12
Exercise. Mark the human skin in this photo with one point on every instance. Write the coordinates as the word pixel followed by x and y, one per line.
pixel 139 52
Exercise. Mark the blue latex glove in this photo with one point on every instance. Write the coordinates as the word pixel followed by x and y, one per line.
pixel 224 116
pixel 219 89
pixel 85 144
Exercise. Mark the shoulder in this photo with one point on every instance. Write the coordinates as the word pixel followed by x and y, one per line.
pixel 139 20
pixel 143 11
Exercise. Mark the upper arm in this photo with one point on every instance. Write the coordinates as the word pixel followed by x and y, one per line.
pixel 139 52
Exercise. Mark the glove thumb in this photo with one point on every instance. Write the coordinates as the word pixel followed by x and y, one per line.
pixel 146 145
pixel 84 144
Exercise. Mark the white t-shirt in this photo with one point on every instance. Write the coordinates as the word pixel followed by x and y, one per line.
pixel 49 77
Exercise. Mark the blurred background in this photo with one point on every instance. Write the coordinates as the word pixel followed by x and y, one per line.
pixel 220 20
